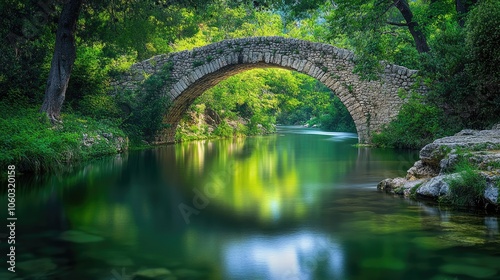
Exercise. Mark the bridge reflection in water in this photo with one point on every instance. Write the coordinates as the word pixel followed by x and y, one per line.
pixel 300 204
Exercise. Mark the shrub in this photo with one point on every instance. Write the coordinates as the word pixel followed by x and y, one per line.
pixel 148 105
pixel 416 125
pixel 99 105
pixel 223 130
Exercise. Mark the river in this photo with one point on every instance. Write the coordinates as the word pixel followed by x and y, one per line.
pixel 300 204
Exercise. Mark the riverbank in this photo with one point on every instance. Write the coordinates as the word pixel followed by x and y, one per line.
pixel 202 122
pixel 461 170
pixel 32 144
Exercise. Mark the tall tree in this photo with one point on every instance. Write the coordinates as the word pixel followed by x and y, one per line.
pixel 376 30
pixel 62 61
pixel 416 33
pixel 132 24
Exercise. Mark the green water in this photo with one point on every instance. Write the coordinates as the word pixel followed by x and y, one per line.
pixel 301 204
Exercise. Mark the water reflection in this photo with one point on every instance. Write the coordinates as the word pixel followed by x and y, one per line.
pixel 299 255
pixel 258 177
pixel 298 206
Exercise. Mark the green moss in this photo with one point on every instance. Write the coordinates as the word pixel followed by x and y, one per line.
pixel 413 190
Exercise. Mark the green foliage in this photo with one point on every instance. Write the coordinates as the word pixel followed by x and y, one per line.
pixel 362 26
pixel 463 63
pixel 313 103
pixel 467 188
pixel 25 48
pixel 483 35
pixel 144 27
pixel 260 99
pixel 461 70
pixel 417 124
pixel 148 105
pixel 29 141
pixel 223 130
pixel 89 75
pixel 99 106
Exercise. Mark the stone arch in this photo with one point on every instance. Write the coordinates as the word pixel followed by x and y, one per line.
pixel 370 103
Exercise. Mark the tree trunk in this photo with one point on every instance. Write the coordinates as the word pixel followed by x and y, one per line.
pixel 62 61
pixel 418 35
pixel 462 8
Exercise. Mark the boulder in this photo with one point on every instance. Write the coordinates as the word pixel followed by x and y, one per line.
pixel 491 194
pixel 389 185
pixel 421 170
pixel 399 185
pixel 468 139
pixel 429 176
pixel 435 187
pixel 409 185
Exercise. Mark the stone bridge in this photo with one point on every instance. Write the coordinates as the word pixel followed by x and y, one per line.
pixel 370 103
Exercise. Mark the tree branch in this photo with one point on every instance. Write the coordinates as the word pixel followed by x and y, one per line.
pixel 397 23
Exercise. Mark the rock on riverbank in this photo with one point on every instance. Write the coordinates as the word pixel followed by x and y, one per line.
pixel 430 177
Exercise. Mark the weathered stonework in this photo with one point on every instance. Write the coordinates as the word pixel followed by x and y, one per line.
pixel 370 103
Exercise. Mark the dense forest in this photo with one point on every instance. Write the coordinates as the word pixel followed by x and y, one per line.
pixel 57 59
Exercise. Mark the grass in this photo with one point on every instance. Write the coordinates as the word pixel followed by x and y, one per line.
pixel 413 190
pixel 31 143
pixel 466 189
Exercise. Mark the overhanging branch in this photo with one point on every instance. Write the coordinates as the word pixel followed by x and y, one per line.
pixel 397 23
